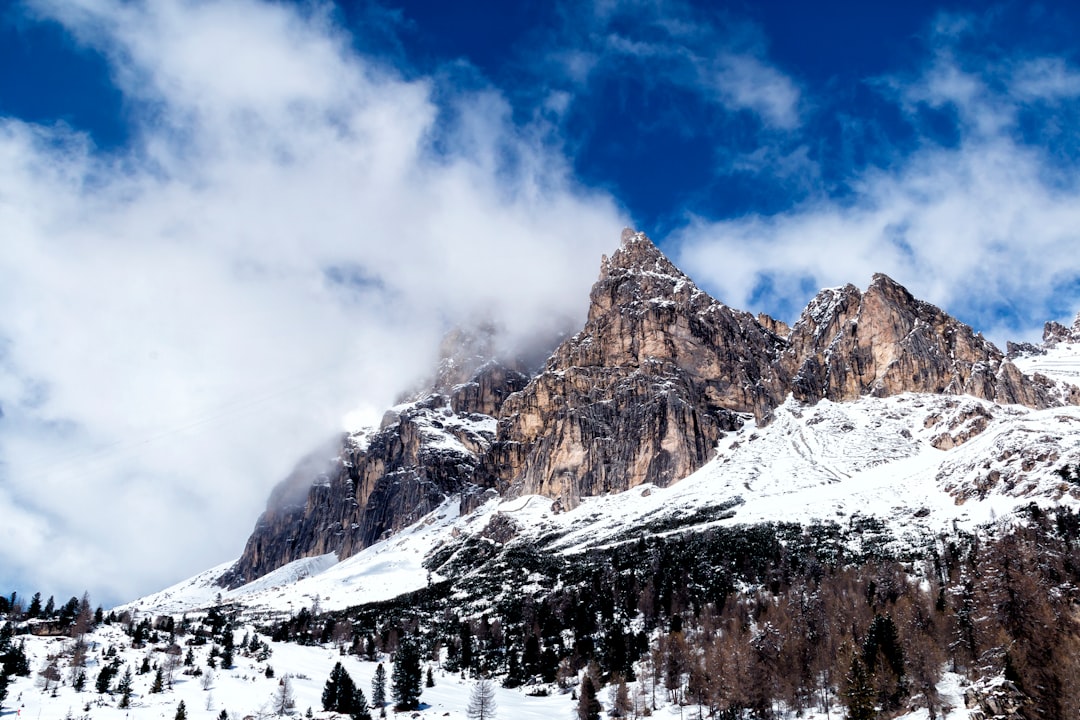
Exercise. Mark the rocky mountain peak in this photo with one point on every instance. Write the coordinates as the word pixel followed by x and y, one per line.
pixel 642 394
pixel 1054 333
pixel 884 341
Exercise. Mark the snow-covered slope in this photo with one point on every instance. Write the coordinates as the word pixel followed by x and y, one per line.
pixel 917 462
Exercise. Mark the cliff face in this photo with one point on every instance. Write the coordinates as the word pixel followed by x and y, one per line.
pixel 643 392
pixel 640 395
pixel 884 342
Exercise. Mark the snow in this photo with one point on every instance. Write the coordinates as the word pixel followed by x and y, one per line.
pixel 380 572
pixel 244 690
pixel 1061 363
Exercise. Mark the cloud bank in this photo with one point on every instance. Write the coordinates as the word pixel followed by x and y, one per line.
pixel 287 237
pixel 980 216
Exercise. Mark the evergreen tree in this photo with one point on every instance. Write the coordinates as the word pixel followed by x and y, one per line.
pixel 378 687
pixel 79 681
pixel 859 692
pixel 124 688
pixel 35 606
pixel 407 676
pixel 430 681
pixel 159 682
pixel 223 715
pixel 104 679
pixel 3 686
pixel 340 693
pixel 228 649
pixel 181 711
pixel 189 659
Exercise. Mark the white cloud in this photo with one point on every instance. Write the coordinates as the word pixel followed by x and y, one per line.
pixel 284 242
pixel 987 228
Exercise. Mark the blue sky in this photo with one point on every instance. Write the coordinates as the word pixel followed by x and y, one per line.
pixel 240 221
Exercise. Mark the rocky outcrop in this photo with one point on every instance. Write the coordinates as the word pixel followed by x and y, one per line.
pixel 1054 333
pixel 883 342
pixel 378 482
pixel 641 394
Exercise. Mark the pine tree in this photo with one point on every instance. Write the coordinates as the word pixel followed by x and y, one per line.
pixel 482 701
pixel 104 679
pixel 223 715
pixel 79 681
pixel 430 681
pixel 3 686
pixel 378 687
pixel 159 682
pixel 407 676
pixel 35 606
pixel 181 711
pixel 859 692
pixel 124 688
pixel 341 695
pixel 228 649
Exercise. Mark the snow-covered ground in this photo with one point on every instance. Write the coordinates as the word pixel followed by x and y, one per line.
pixel 827 462
pixel 246 691
pixel 242 691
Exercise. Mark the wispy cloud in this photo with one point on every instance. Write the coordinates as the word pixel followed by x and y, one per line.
pixel 287 237
pixel 981 221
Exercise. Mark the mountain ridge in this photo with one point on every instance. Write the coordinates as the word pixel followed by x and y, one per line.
pixel 642 395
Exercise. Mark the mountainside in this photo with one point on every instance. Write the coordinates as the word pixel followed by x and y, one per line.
pixel 641 395
pixel 872 513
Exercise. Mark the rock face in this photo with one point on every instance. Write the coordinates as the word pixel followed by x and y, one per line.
pixel 883 342
pixel 1054 333
pixel 640 395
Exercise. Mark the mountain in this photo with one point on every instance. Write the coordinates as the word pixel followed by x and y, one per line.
pixel 872 402
pixel 658 376
pixel 873 512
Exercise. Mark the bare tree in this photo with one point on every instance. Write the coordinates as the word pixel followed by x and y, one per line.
pixel 207 680
pixel 482 701
pixel 283 698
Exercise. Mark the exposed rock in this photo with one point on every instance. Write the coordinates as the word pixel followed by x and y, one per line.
pixel 884 342
pixel 1054 333
pixel 379 482
pixel 640 395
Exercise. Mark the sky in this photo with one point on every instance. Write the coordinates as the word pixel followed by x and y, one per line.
pixel 230 229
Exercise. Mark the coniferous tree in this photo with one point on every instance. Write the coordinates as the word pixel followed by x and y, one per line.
pixel 430 681
pixel 104 679
pixel 3 686
pixel 159 682
pixel 378 687
pixel 181 711
pixel 228 648
pixel 859 692
pixel 79 681
pixel 223 715
pixel 283 698
pixel 407 676
pixel 124 688
pixel 34 609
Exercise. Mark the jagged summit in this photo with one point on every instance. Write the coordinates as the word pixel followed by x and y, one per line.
pixel 643 394
pixel 883 342
pixel 1054 333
